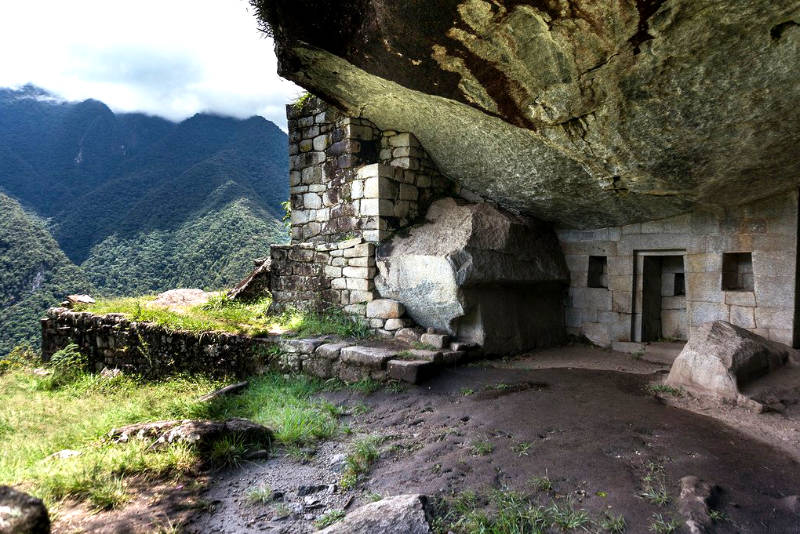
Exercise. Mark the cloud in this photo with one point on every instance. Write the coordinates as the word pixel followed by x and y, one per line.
pixel 171 58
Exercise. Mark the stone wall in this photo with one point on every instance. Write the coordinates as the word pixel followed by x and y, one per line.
pixel 347 178
pixel 763 232
pixel 316 276
pixel 148 349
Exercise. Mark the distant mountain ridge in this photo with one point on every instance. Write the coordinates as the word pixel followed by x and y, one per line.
pixel 138 203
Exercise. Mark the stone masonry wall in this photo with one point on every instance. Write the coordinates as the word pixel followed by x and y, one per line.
pixel 347 178
pixel 766 229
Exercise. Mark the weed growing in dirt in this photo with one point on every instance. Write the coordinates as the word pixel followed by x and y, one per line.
pixel 521 448
pixel 373 497
pixel 281 510
pixel 566 517
pixel 718 516
pixel 655 389
pixel 363 454
pixel 615 524
pixel 365 386
pixel 228 451
pixel 261 494
pixel 511 513
pixel 422 346
pixel 395 386
pixel 328 518
pixel 660 525
pixel 466 392
pixel 654 486
pixel 481 447
pixel 541 483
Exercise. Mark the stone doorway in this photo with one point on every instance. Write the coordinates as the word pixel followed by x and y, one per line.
pixel 660 303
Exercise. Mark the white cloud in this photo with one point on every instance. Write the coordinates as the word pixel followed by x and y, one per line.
pixel 171 58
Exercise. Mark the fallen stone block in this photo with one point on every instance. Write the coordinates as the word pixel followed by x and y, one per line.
pixel 373 357
pixel 255 285
pixel 21 513
pixel 411 371
pixel 409 335
pixel 403 514
pixel 720 357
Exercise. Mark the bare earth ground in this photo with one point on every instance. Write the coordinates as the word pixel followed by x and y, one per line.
pixel 584 415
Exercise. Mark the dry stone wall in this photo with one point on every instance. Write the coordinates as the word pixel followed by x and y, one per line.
pixel 759 239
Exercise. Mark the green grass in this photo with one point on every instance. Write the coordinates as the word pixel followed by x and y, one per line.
pixel 542 483
pixel 481 447
pixel 654 485
pixel 41 415
pixel 615 524
pixel 655 389
pixel 329 518
pixel 508 512
pixel 521 448
pixel 224 314
pixel 261 494
pixel 660 525
pixel 364 452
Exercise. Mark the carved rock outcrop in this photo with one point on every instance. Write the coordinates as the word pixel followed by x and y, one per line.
pixel 586 113
pixel 469 266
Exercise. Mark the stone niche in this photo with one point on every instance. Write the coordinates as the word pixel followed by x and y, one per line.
pixel 479 273
pixel 668 277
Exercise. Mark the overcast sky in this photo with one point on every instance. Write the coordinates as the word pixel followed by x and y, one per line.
pixel 171 58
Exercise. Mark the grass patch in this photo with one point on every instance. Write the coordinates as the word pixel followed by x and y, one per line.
pixel 521 448
pixel 261 494
pixel 363 454
pixel 329 518
pixel 71 409
pixel 508 512
pixel 223 314
pixel 654 486
pixel 466 392
pixel 481 447
pixel 542 483
pixel 661 525
pixel 655 389
pixel 615 524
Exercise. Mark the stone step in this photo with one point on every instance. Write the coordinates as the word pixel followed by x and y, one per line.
pixel 374 357
pixel 411 371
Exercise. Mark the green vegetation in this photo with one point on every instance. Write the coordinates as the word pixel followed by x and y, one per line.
pixel 466 392
pixel 654 485
pixel 655 389
pixel 224 314
pixel 542 483
pixel 143 205
pixel 521 448
pixel 511 513
pixel 615 524
pixel 481 447
pixel 42 415
pixel 328 518
pixel 661 525
pixel 34 275
pixel 261 494
pixel 363 454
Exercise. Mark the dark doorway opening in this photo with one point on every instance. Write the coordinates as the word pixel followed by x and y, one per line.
pixel 663 298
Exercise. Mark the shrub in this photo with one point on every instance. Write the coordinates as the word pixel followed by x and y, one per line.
pixel 66 367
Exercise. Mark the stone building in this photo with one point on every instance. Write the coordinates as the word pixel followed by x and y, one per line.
pixel 373 218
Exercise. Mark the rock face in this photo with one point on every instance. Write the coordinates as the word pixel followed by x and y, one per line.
pixel 403 514
pixel 587 113
pixel 720 357
pixel 179 299
pixel 22 514
pixel 472 270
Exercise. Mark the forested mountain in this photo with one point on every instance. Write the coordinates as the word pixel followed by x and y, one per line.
pixel 139 203
pixel 34 274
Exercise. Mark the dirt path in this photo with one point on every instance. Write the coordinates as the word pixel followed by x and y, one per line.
pixel 595 433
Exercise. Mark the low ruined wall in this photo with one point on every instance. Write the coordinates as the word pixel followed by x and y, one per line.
pixel 148 349
pixel 153 351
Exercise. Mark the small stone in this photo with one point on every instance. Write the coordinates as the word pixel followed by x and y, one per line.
pixel 21 513
pixel 66 453
pixel 393 324
pixel 408 335
pixel 438 341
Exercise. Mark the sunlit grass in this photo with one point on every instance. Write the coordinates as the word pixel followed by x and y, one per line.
pixel 37 421
pixel 224 314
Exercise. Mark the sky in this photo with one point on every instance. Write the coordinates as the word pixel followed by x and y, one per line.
pixel 171 58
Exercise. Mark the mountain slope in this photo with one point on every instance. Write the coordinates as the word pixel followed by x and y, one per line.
pixel 34 274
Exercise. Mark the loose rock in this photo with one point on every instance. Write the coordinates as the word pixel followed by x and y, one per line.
pixel 21 513
pixel 403 514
